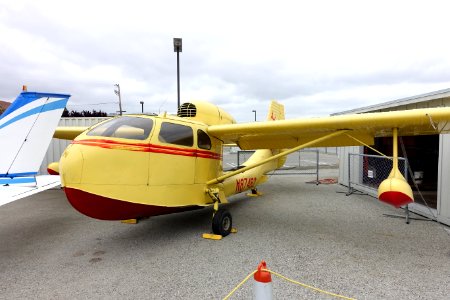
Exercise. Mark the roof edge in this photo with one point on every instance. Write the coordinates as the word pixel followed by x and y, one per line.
pixel 402 101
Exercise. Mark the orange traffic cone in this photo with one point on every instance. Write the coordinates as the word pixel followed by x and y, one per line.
pixel 262 289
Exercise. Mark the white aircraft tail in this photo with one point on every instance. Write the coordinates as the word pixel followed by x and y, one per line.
pixel 26 129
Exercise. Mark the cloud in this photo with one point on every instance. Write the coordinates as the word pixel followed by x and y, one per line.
pixel 316 57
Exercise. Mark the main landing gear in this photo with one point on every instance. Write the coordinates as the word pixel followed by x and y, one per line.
pixel 254 193
pixel 222 222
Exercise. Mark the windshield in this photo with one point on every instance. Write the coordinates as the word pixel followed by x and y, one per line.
pixel 134 128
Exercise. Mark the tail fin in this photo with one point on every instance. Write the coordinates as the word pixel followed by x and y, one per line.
pixel 276 111
pixel 26 129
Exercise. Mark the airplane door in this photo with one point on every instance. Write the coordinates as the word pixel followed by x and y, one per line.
pixel 172 158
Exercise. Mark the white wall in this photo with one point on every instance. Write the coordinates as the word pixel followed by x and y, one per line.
pixel 443 208
pixel 343 164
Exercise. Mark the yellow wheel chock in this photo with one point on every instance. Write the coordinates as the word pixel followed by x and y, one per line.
pixel 254 193
pixel 130 221
pixel 212 236
pixel 216 237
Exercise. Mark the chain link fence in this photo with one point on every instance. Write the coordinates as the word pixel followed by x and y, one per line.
pixel 366 172
pixel 303 162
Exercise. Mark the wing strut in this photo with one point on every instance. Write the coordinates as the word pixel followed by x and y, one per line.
pixel 284 153
pixel 368 146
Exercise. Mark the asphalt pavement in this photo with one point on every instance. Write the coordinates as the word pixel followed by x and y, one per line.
pixel 307 232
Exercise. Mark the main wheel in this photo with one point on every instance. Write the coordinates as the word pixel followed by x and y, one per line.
pixel 222 222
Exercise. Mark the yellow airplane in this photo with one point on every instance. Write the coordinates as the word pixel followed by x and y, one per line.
pixel 137 166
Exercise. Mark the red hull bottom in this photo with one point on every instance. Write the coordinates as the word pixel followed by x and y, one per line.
pixel 104 208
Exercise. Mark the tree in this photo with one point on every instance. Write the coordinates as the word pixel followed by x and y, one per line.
pixel 83 114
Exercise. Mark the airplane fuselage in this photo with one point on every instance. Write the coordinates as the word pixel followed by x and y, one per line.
pixel 137 166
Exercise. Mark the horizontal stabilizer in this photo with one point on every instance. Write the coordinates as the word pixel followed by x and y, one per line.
pixel 18 181
pixel 11 193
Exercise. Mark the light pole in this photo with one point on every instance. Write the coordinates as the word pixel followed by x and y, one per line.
pixel 142 106
pixel 117 92
pixel 178 47
pixel 255 114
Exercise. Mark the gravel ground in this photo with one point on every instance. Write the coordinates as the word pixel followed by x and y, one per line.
pixel 306 232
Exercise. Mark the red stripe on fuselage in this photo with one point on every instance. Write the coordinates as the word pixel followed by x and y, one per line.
pixel 104 208
pixel 142 147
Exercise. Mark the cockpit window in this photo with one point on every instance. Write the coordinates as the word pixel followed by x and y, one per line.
pixel 203 140
pixel 124 127
pixel 176 134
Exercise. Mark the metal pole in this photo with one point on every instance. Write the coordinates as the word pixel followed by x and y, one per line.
pixel 120 103
pixel 405 170
pixel 349 186
pixel 255 114
pixel 178 76
pixel 178 47
pixel 142 106
pixel 120 99
pixel 317 167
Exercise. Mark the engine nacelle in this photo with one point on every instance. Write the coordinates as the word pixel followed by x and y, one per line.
pixel 205 112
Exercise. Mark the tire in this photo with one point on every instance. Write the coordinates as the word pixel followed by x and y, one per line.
pixel 222 222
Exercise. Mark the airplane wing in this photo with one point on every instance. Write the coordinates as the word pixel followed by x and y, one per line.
pixel 26 129
pixel 68 133
pixel 361 128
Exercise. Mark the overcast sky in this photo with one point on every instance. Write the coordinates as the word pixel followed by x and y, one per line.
pixel 316 57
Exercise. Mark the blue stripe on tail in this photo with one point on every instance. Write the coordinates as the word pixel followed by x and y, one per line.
pixel 40 109
pixel 27 97
pixel 12 175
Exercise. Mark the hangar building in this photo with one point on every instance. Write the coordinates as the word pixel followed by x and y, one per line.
pixel 428 156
